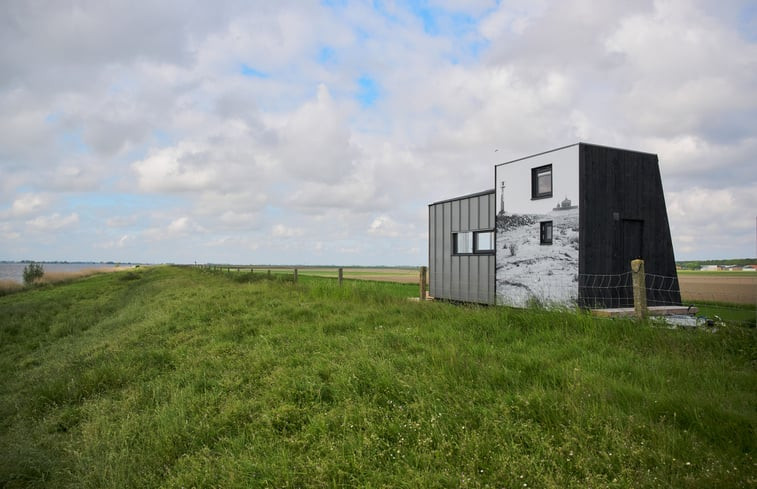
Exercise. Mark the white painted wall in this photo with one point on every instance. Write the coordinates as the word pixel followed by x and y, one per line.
pixel 517 177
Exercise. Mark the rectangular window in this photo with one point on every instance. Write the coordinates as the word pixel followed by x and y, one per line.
pixel 541 182
pixel 484 241
pixel 470 242
pixel 545 232
pixel 462 242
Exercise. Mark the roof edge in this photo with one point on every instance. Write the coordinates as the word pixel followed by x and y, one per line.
pixel 580 143
pixel 469 196
pixel 618 149
pixel 538 154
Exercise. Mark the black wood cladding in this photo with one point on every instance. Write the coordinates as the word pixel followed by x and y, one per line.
pixel 622 213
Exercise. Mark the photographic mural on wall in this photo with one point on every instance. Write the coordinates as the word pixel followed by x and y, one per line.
pixel 537 239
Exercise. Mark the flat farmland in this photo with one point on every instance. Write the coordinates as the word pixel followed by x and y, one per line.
pixel 732 287
pixel 402 275
pixel 379 274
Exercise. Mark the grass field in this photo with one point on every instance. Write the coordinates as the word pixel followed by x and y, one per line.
pixel 179 377
pixel 404 275
pixel 696 286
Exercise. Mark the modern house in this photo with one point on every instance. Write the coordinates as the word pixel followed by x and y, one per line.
pixel 560 228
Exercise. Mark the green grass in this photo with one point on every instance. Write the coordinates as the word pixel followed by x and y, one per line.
pixel 179 377
pixel 738 314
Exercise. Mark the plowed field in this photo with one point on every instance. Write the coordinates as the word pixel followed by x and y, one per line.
pixel 733 287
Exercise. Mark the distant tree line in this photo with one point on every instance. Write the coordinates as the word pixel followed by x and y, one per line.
pixel 697 264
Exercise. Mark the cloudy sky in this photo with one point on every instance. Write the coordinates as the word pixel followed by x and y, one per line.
pixel 317 132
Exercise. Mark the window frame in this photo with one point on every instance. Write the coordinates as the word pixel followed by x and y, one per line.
pixel 455 248
pixel 543 226
pixel 535 173
pixel 475 249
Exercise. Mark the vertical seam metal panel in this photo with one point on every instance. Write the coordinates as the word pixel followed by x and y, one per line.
pixel 440 250
pixel 430 247
pixel 447 237
pixel 473 209
pixel 464 214
pixel 483 211
pixel 464 277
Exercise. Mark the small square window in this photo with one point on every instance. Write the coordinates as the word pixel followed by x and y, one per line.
pixel 541 182
pixel 545 232
pixel 462 242
pixel 484 241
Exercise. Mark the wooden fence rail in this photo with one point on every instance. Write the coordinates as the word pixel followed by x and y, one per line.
pixel 325 272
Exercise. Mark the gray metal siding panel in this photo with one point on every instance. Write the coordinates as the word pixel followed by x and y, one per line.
pixel 447 249
pixel 432 249
pixel 473 206
pixel 464 215
pixel 476 279
pixel 492 211
pixel 463 295
pixel 465 277
pixel 492 279
pixel 431 246
pixel 483 211
pixel 455 216
pixel 439 257
pixel 455 279
pixel 430 243
pixel 483 279
pixel 438 278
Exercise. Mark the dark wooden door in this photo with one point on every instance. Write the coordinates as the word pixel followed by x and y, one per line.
pixel 631 248
pixel 632 242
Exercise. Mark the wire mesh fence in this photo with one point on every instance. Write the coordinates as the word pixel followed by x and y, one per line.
pixel 616 291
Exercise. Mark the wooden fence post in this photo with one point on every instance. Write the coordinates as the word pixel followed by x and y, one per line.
pixel 639 288
pixel 341 276
pixel 423 283
pixel 295 275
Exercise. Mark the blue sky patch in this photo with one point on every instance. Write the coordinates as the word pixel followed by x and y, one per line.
pixel 163 138
pixel 326 55
pixel 427 15
pixel 368 91
pixel 748 22
pixel 120 202
pixel 53 117
pixel 74 142
pixel 334 3
pixel 252 72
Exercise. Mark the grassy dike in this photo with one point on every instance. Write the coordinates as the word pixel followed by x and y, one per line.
pixel 171 377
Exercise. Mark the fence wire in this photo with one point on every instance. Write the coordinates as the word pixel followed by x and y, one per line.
pixel 616 290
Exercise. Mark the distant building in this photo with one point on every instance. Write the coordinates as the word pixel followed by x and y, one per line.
pixel 514 244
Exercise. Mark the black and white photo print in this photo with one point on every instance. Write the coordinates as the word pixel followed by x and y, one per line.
pixel 537 231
